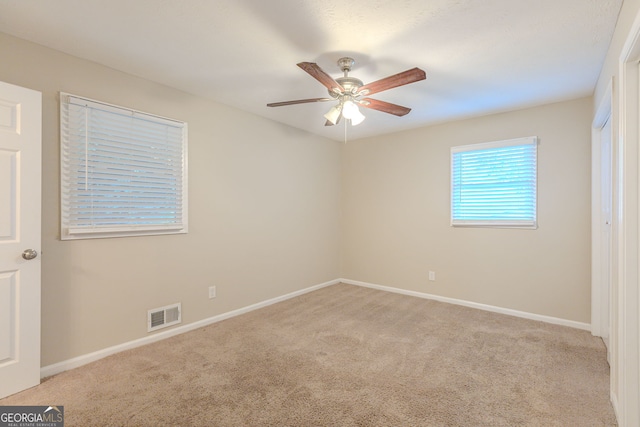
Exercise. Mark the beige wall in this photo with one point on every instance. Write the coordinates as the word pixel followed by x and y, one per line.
pixel 273 210
pixel 263 213
pixel 396 215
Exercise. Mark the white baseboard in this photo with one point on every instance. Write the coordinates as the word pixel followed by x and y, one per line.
pixel 508 311
pixel 614 403
pixel 76 362
pixel 56 368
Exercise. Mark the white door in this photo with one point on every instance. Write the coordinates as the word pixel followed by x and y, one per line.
pixel 20 171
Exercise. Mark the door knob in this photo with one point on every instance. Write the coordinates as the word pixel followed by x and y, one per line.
pixel 29 254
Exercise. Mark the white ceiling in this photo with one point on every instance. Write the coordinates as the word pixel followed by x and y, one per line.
pixel 480 56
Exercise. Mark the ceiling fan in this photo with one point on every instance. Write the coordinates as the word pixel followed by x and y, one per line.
pixel 351 92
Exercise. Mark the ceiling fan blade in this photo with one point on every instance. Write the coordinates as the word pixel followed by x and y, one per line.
pixel 410 76
pixel 385 107
pixel 298 101
pixel 317 73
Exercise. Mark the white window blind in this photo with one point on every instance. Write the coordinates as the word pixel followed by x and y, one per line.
pixel 123 172
pixel 494 184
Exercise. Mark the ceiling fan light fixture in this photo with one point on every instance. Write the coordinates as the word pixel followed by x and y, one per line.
pixel 357 118
pixel 334 114
pixel 350 111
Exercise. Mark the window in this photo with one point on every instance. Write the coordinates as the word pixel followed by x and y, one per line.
pixel 123 172
pixel 494 184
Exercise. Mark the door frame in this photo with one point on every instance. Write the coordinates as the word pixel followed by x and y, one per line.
pixel 600 326
pixel 625 376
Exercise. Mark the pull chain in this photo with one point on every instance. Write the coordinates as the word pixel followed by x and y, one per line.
pixel 345 130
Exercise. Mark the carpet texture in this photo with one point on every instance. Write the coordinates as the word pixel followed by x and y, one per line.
pixel 346 356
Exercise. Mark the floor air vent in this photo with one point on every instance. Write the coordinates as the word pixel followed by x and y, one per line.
pixel 163 317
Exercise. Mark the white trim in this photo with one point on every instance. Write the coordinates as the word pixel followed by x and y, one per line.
pixel 625 351
pixel 602 116
pixel 76 362
pixel 616 405
pixel 603 112
pixel 485 307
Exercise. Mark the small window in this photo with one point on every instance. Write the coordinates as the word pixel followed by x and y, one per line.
pixel 494 184
pixel 123 172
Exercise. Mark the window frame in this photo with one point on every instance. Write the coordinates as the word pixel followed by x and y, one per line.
pixel 502 222
pixel 129 227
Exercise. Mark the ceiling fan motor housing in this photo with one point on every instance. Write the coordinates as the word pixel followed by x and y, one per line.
pixel 350 84
pixel 345 64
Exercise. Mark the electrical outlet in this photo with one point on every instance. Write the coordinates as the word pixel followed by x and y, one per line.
pixel 212 292
pixel 432 276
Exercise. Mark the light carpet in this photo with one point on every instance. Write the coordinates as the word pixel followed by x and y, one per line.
pixel 346 356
